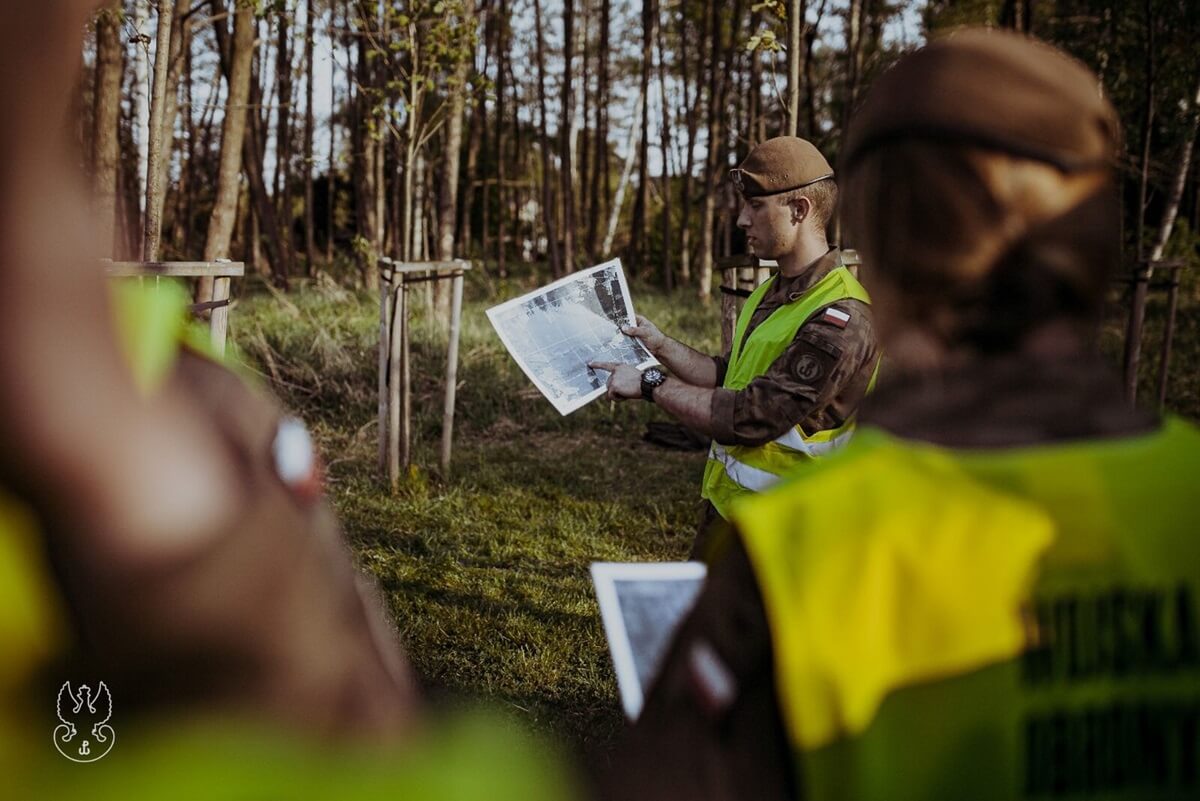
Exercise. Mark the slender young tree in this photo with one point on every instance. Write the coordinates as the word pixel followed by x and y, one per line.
pixel 565 125
pixel 665 126
pixel 310 243
pixel 502 191
pixel 547 190
pixel 691 97
pixel 448 195
pixel 233 132
pixel 637 237
pixel 600 175
pixel 283 123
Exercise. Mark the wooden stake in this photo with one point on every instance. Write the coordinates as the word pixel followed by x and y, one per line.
pixel 218 323
pixel 451 372
pixel 405 384
pixel 394 349
pixel 385 316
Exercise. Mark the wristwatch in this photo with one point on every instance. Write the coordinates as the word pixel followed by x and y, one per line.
pixel 652 379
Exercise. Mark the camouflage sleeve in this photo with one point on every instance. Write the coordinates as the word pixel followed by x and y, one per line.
pixel 829 358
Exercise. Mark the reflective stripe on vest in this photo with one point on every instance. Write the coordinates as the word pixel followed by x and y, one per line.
pixel 949 624
pixel 736 470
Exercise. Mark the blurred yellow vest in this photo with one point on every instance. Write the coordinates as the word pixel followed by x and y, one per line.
pixel 994 624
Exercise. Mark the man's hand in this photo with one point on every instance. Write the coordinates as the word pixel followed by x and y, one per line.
pixel 648 333
pixel 624 381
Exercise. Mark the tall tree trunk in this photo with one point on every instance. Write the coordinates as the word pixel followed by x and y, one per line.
pixel 106 120
pixel 152 230
pixel 691 97
pixel 1147 126
pixel 1184 164
pixel 283 127
pixel 185 206
pixel 180 41
pixel 141 98
pixel 233 132
pixel 364 152
pixel 637 233
pixel 252 155
pixel 565 125
pixel 310 241
pixel 583 102
pixel 448 194
pixel 810 93
pixel 665 131
pixel 331 177
pixel 503 193
pixel 717 82
pixel 795 64
pixel 547 194
pixel 599 185
pixel 631 148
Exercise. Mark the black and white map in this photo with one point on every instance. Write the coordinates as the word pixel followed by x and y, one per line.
pixel 553 333
pixel 642 606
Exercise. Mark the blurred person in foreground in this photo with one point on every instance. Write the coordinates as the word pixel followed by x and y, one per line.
pixel 996 595
pixel 803 354
pixel 162 531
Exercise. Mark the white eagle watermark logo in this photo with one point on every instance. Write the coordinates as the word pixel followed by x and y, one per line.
pixel 87 712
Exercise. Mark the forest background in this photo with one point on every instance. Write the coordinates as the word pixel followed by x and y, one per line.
pixel 535 137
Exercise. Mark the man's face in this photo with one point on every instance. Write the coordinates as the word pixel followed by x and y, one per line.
pixel 772 225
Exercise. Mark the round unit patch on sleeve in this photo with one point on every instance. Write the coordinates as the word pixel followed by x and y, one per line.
pixel 808 368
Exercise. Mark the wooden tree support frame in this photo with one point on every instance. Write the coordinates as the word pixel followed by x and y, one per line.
pixel 1141 283
pixel 222 273
pixel 741 275
pixel 395 375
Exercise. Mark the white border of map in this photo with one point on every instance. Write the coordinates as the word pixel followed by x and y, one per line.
pixel 605 576
pixel 543 307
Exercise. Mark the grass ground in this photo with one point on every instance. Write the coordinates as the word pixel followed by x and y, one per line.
pixel 487 573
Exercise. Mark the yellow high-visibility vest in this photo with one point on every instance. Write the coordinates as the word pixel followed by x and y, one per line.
pixel 994 624
pixel 736 470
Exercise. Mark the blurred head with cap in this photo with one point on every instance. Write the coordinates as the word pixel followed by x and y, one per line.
pixel 789 197
pixel 978 188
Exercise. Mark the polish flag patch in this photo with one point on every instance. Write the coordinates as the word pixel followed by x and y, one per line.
pixel 835 317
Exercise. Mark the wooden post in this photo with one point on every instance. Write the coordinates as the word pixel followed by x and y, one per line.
pixel 385 339
pixel 451 372
pixel 394 348
pixel 218 323
pixel 1168 335
pixel 405 385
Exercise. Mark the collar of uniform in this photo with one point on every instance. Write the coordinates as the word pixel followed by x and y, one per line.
pixel 1009 401
pixel 791 287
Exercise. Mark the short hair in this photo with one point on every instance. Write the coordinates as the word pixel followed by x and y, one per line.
pixel 823 195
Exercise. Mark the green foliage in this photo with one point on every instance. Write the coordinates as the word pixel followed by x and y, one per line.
pixel 487 573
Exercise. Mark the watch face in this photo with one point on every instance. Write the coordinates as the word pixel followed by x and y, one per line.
pixel 653 375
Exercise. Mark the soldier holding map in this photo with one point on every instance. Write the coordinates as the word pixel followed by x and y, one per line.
pixel 803 354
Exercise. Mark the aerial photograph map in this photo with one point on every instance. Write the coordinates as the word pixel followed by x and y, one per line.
pixel 553 332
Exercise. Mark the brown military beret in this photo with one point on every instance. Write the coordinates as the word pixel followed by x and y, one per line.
pixel 995 89
pixel 779 165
